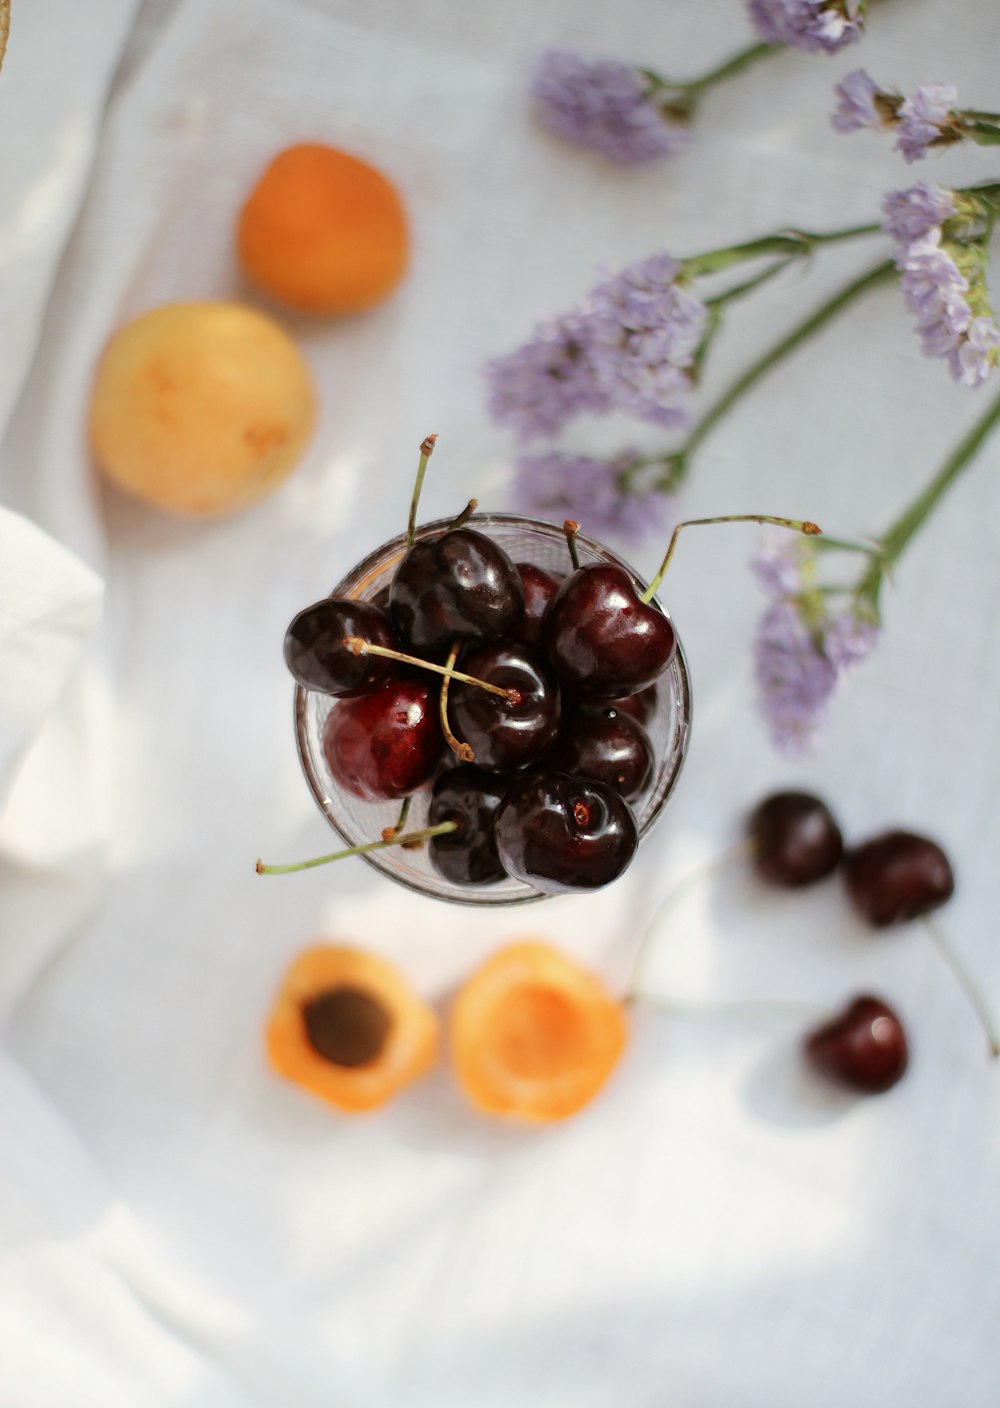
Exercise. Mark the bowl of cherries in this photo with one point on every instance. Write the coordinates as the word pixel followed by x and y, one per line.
pixel 492 708
pixel 493 688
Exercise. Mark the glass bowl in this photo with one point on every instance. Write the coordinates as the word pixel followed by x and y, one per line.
pixel 524 540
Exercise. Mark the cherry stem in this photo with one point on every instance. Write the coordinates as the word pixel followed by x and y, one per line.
pixel 967 983
pixel 426 450
pixel 797 525
pixel 410 838
pixel 464 516
pixel 571 528
pixel 741 851
pixel 462 751
pixel 391 831
pixel 360 646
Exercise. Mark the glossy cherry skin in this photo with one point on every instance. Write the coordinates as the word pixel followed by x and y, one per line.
pixel 604 744
pixel 896 877
pixel 316 655
pixel 864 1047
pixel 471 797
pixel 602 640
pixel 457 586
pixel 505 734
pixel 796 840
pixel 384 744
pixel 539 589
pixel 561 834
pixel 642 706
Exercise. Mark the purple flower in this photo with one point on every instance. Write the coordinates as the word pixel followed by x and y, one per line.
pixel 857 108
pixel 912 214
pixel 848 639
pixel 540 386
pixel 778 566
pixel 647 331
pixel 925 119
pixel 935 291
pixel 813 25
pixel 593 491
pixel 603 105
pixel 794 677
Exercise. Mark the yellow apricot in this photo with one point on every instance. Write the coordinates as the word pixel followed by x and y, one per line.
pixel 200 408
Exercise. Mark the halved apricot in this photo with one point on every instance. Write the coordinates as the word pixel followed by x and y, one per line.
pixel 534 1035
pixel 347 1027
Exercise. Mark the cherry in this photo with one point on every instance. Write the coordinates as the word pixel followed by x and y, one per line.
pixel 642 706
pixel 604 744
pixel 468 855
pixel 506 734
pixel 896 877
pixel 864 1047
pixel 458 585
pixel 318 658
pixel 796 840
pixel 384 744
pixel 560 833
pixel 602 640
pixel 539 589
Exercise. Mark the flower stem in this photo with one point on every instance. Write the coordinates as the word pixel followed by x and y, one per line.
pixel 781 350
pixel 787 242
pixel 797 525
pixel 735 64
pixel 898 537
pixel 406 839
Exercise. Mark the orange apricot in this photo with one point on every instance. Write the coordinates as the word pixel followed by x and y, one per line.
pixel 534 1036
pixel 322 231
pixel 347 1027
pixel 200 408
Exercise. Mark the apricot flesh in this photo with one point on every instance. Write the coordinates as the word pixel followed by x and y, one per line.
pixel 534 1035
pixel 200 408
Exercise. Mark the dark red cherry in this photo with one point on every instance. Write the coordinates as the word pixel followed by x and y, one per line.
pixel 539 589
pixel 318 658
pixel 459 585
pixel 796 840
pixel 896 877
pixel 471 797
pixel 560 833
pixel 602 640
pixel 642 706
pixel 505 734
pixel 863 1048
pixel 387 743
pixel 601 743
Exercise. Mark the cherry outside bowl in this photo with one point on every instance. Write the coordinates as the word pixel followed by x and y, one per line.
pixel 525 540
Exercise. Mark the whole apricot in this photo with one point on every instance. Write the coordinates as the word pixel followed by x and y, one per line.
pixel 200 408
pixel 322 231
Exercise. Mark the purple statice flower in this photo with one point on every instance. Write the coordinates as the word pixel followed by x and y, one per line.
pixel 914 213
pixel 647 331
pixel 540 386
pixel 925 118
pixel 813 25
pixel 592 491
pixel 856 106
pixel 794 677
pixel 848 639
pixel 604 105
pixel 935 291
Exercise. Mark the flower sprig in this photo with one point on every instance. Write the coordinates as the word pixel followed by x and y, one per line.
pixel 929 120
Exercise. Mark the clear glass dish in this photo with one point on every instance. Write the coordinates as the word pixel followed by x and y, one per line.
pixel 524 540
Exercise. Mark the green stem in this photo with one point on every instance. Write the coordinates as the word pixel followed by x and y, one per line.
pixel 797 525
pixel 780 351
pixel 731 294
pixel 788 243
pixel 736 63
pixel 441 829
pixel 898 537
pixel 426 450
